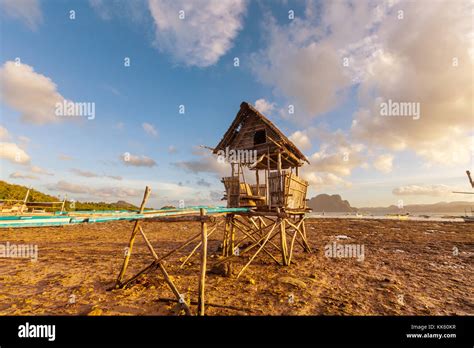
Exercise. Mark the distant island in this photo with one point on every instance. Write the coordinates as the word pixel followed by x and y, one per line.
pixel 335 204
pixel 18 192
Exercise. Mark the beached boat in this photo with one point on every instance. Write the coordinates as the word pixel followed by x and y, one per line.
pixel 79 217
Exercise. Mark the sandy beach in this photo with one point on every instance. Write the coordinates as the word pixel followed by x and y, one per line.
pixel 408 268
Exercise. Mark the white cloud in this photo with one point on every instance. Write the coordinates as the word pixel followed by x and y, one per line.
pixel 403 71
pixel 264 106
pixel 324 180
pixel 18 175
pixel 423 190
pixel 205 163
pixel 89 174
pixel 64 157
pixel 32 94
pixel 204 35
pixel 336 158
pixel 384 163
pixel 41 171
pixel 84 173
pixel 301 140
pixel 13 153
pixel 302 66
pixel 28 11
pixel 426 57
pixel 4 134
pixel 137 161
pixel 102 192
pixel 149 129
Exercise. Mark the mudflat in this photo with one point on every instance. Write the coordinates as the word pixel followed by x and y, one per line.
pixel 408 268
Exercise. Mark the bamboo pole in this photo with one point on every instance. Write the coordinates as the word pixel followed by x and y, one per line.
pixel 284 246
pixel 291 247
pixel 132 239
pixel 248 235
pixel 226 235
pixel 258 182
pixel 303 228
pixel 231 236
pixel 173 288
pixel 250 247
pixel 197 246
pixel 258 251
pixel 304 242
pixel 148 244
pixel 202 279
pixel 64 203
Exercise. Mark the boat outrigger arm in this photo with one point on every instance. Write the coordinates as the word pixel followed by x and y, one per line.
pixel 472 184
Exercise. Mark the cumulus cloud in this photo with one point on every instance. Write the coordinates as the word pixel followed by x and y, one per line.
pixel 301 140
pixel 302 66
pixel 137 161
pixel 41 171
pixel 88 174
pixel 64 157
pixel 102 192
pixel 18 175
pixel 384 163
pixel 336 159
pixel 114 177
pixel 417 63
pixel 4 134
pixel 32 94
pixel 84 173
pixel 324 180
pixel 28 11
pixel 149 129
pixel 204 34
pixel 13 153
pixel 202 182
pixel 402 51
pixel 264 106
pixel 423 190
pixel 205 163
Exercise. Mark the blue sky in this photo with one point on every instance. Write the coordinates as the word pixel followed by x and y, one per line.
pixel 190 62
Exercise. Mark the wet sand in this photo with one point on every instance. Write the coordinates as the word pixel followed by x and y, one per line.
pixel 409 268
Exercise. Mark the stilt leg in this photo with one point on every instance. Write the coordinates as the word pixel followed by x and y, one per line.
pixel 284 246
pixel 202 279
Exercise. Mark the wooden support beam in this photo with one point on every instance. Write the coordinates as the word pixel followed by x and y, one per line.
pixel 291 247
pixel 258 251
pixel 258 182
pixel 148 244
pixel 198 245
pixel 284 246
pixel 250 247
pixel 202 278
pixel 256 241
pixel 304 242
pixel 174 289
pixel 191 218
pixel 132 239
pixel 231 236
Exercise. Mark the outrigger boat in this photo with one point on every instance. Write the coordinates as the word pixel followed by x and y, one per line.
pixel 78 217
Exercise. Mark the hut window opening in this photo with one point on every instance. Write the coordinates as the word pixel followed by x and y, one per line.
pixel 260 137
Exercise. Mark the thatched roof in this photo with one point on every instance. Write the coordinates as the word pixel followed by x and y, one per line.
pixel 247 112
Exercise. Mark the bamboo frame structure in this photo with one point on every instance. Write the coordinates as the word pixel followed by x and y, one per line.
pixel 261 230
pixel 157 261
